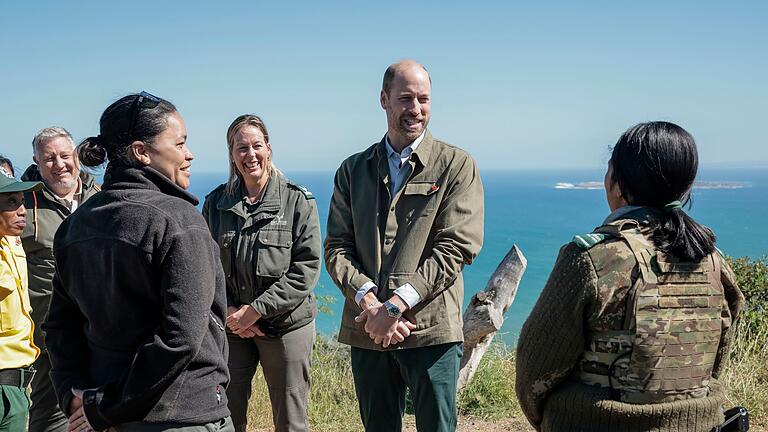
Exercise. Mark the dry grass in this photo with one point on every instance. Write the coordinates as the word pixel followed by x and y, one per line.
pixel 746 374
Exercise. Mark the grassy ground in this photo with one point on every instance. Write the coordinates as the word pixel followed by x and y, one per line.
pixel 746 374
pixel 333 405
pixel 489 404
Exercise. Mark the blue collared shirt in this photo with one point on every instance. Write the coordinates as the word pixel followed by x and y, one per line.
pixel 399 170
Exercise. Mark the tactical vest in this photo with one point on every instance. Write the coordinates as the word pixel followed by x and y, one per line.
pixel 673 322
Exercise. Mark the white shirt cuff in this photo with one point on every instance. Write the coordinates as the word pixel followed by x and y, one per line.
pixel 368 286
pixel 409 295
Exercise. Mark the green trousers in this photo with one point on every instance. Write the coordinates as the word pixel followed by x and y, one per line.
pixel 431 373
pixel 15 405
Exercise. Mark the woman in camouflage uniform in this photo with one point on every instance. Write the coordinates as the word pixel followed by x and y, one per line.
pixel 268 232
pixel 631 330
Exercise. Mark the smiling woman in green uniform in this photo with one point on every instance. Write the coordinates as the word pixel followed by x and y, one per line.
pixel 268 231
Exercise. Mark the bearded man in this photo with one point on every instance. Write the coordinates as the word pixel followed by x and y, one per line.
pixel 65 188
pixel 405 217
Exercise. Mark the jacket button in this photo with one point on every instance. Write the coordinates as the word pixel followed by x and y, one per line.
pixel 242 288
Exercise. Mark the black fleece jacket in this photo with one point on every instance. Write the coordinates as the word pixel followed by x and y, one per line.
pixel 139 304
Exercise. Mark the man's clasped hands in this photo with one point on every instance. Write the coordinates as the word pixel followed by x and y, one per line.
pixel 384 329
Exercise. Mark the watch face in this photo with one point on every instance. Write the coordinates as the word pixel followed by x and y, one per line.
pixel 393 310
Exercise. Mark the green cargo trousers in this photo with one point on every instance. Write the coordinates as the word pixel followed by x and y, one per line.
pixel 13 408
pixel 44 414
pixel 431 373
pixel 286 362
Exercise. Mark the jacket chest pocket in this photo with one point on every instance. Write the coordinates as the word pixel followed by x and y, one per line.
pixel 225 241
pixel 10 310
pixel 274 252
pixel 12 306
pixel 419 199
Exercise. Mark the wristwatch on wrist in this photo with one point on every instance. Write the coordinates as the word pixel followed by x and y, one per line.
pixel 392 309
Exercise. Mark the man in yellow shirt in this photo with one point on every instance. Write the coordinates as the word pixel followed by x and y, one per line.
pixel 17 349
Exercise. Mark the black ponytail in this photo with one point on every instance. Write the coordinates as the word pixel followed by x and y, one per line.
pixel 655 164
pixel 91 152
pixel 677 234
pixel 122 123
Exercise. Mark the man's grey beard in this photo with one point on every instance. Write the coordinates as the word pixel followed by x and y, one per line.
pixel 65 186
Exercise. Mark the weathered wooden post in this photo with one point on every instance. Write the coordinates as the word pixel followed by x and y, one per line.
pixel 485 312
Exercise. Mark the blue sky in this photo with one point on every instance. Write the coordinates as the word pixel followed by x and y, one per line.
pixel 520 86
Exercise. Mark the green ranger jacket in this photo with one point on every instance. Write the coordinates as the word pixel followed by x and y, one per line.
pixel 424 236
pixel 270 251
pixel 45 212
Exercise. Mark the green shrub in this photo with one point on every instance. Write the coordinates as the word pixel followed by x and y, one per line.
pixel 746 374
pixel 752 277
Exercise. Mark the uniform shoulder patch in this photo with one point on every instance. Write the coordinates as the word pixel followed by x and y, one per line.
pixel 586 241
pixel 307 194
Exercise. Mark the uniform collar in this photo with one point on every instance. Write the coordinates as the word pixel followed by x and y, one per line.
pixel 144 177
pixel 270 201
pixel 638 213
pixel 410 148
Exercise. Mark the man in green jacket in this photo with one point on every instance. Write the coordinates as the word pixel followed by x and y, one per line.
pixel 405 217
pixel 65 188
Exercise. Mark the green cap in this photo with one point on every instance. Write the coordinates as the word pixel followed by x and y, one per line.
pixel 8 184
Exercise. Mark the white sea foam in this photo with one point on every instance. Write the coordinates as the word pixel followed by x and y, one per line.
pixel 595 185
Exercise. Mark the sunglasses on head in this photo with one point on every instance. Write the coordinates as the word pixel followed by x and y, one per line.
pixel 143 101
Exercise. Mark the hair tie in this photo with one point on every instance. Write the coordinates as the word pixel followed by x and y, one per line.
pixel 674 205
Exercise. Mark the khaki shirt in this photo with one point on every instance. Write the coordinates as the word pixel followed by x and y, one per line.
pixel 16 346
pixel 424 236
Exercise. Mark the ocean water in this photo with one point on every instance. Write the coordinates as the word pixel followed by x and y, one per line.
pixel 540 211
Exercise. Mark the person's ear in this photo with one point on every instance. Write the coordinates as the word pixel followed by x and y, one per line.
pixel 140 151
pixel 383 99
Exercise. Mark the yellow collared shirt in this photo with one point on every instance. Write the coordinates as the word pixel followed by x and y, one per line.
pixel 17 348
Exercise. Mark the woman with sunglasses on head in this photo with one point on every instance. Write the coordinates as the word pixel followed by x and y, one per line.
pixel 268 232
pixel 135 328
pixel 632 327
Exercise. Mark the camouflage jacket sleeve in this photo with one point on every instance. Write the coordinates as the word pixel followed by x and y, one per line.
pixel 553 336
pixel 734 304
